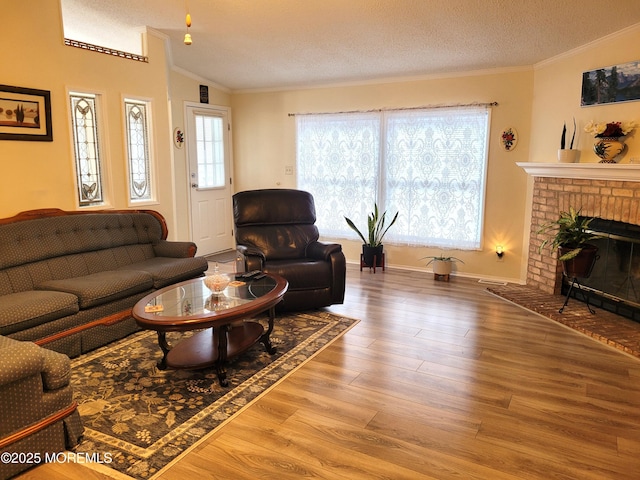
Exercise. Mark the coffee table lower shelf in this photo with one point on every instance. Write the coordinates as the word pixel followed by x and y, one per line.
pixel 207 348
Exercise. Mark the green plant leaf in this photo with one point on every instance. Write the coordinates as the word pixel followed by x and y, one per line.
pixel 353 227
pixel 569 230
pixel 375 227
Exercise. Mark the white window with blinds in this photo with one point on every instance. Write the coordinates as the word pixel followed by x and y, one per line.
pixel 428 164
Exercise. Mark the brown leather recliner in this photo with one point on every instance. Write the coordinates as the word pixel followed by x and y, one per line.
pixel 275 231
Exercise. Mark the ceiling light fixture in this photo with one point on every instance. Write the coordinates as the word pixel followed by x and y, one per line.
pixel 187 36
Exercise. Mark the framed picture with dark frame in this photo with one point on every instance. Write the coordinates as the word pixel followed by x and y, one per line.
pixel 618 83
pixel 25 114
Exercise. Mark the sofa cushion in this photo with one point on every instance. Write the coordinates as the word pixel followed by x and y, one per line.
pixel 102 287
pixel 19 311
pixel 166 271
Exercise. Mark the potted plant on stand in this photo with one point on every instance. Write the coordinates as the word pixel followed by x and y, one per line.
pixel 372 247
pixel 442 265
pixel 567 155
pixel 571 239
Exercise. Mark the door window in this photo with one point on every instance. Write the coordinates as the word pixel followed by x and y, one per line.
pixel 210 151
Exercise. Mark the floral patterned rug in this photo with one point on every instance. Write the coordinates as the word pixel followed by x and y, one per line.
pixel 139 418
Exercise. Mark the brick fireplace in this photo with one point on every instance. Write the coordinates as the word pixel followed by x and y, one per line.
pixel 608 191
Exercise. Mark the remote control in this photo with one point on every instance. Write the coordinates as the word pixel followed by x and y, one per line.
pixel 259 276
pixel 251 274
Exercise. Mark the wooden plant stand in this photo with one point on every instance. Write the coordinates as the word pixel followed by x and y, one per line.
pixel 375 263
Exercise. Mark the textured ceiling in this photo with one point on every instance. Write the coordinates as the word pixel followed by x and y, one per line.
pixel 265 44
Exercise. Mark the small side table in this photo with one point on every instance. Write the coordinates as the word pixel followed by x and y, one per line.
pixel 375 263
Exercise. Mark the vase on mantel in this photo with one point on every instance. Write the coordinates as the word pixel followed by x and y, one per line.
pixel 567 155
pixel 609 148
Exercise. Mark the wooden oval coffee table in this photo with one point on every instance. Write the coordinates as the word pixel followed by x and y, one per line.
pixel 190 305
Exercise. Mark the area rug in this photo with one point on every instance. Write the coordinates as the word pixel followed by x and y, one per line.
pixel 139 418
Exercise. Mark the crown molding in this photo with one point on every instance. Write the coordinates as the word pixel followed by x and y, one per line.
pixel 587 46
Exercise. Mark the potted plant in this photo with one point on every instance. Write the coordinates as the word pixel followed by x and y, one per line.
pixel 442 264
pixel 567 155
pixel 372 245
pixel 571 240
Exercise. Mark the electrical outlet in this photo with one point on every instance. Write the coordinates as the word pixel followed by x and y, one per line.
pixel 288 170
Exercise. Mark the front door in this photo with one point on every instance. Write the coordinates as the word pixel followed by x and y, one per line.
pixel 209 157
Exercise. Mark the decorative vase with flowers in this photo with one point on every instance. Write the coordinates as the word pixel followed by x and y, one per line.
pixel 610 138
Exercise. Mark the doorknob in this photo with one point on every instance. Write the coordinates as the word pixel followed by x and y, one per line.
pixel 194 185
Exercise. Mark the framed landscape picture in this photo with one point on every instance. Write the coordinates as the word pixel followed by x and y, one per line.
pixel 25 114
pixel 618 83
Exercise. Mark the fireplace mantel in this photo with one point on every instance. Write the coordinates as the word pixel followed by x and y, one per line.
pixel 592 171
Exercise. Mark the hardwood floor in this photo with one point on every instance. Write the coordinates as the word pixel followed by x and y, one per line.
pixel 437 381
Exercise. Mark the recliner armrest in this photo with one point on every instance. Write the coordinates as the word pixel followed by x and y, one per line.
pixel 322 250
pixel 251 251
pixel 253 258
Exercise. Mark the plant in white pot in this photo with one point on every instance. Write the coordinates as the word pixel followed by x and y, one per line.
pixel 372 246
pixel 442 264
pixel 567 155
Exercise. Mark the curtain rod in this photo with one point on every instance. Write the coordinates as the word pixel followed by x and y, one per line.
pixel 477 104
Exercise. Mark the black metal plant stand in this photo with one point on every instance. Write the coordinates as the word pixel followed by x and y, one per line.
pixel 575 282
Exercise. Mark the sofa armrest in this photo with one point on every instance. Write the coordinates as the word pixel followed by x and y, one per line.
pixel 322 250
pixel 56 372
pixel 20 360
pixel 172 249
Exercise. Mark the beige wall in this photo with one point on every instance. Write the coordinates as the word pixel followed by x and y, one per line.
pixel 535 101
pixel 40 174
pixel 557 88
pixel 556 99
pixel 264 143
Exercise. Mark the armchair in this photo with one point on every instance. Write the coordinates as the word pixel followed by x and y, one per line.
pixel 39 415
pixel 275 232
